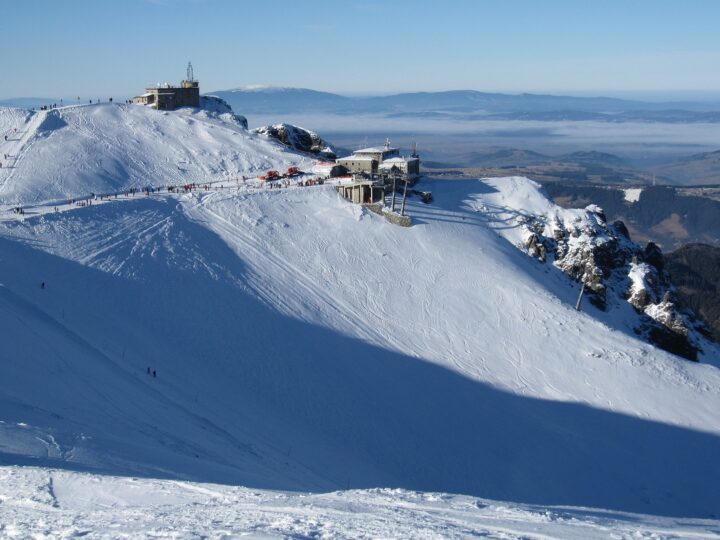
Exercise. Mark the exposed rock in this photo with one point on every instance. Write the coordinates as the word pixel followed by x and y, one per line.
pixel 673 342
pixel 535 247
pixel 221 108
pixel 299 139
pixel 612 268
pixel 654 256
pixel 620 228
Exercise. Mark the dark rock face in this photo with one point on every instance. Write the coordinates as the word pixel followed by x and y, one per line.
pixel 652 255
pixel 695 270
pixel 299 139
pixel 672 342
pixel 620 228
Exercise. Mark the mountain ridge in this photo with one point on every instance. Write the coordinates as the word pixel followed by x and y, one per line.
pixel 459 101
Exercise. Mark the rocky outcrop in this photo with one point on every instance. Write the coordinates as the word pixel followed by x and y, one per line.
pixel 298 138
pixel 218 106
pixel 613 269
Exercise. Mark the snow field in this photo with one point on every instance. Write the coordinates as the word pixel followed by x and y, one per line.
pixel 304 344
pixel 74 151
pixel 41 502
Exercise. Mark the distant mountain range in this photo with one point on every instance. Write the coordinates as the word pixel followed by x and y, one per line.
pixel 468 105
pixel 460 105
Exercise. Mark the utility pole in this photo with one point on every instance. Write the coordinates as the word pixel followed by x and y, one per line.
pixel 579 301
pixel 402 208
pixel 393 193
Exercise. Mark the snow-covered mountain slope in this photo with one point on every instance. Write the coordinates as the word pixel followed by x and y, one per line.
pixel 614 270
pixel 59 504
pixel 104 148
pixel 303 343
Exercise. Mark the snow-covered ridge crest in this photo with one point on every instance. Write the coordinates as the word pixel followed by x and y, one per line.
pixel 102 148
pixel 598 255
pixel 221 108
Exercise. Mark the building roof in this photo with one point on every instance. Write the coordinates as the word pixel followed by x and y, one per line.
pixel 396 161
pixel 399 159
pixel 356 158
pixel 356 183
pixel 375 150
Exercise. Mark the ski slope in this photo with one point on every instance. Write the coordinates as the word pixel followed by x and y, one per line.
pixel 304 344
pixel 105 148
pixel 301 343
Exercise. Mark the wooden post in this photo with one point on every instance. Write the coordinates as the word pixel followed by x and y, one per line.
pixel 579 300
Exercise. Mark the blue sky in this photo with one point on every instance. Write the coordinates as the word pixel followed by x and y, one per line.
pixel 99 48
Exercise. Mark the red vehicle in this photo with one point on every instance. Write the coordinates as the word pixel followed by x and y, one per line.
pixel 272 174
pixel 293 171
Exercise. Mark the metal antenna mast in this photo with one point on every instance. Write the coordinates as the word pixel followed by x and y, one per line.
pixel 190 74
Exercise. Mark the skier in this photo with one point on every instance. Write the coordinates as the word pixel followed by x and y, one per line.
pixel 154 373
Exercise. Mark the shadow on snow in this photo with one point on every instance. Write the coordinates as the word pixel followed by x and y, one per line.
pixel 248 396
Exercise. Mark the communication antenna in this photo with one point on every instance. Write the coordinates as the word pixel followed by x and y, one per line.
pixel 414 149
pixel 190 74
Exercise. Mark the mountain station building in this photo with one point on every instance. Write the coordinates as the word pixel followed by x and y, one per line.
pixel 383 159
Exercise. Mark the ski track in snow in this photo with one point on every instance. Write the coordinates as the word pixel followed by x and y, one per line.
pixel 447 292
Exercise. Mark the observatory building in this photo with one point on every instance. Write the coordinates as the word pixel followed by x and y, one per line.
pixel 165 97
